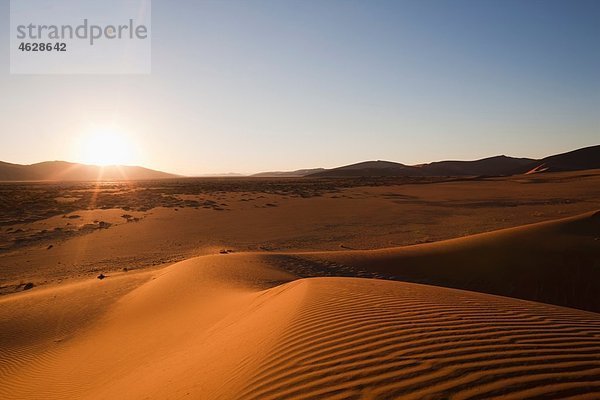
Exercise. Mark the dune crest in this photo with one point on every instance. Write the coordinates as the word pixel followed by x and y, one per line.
pixel 181 332
pixel 236 327
pixel 555 262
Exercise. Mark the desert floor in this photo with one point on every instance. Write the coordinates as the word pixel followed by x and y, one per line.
pixel 283 289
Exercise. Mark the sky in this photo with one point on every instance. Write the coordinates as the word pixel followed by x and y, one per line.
pixel 261 85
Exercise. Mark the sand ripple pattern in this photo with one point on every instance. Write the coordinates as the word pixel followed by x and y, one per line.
pixel 371 339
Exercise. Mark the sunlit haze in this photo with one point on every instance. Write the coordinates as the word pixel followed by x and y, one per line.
pixel 105 146
pixel 250 86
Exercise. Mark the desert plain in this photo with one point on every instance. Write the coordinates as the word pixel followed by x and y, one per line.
pixel 302 288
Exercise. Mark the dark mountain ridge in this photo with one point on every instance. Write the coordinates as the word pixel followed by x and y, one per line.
pixel 581 159
pixel 67 171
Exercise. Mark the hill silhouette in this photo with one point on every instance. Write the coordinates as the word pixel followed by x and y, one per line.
pixel 581 159
pixel 66 171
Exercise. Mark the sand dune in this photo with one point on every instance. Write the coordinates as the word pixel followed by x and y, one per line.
pixel 555 262
pixel 580 159
pixel 238 327
pixel 185 329
pixel 358 338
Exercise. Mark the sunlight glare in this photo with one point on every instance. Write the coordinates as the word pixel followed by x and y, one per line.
pixel 107 147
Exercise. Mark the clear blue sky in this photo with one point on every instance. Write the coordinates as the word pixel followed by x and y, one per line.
pixel 249 86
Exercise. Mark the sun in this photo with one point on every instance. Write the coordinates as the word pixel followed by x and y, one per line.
pixel 106 147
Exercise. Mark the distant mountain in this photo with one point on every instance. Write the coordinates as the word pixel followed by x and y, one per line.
pixel 66 171
pixel 379 164
pixel 498 165
pixel 586 158
pixel 288 174
pixel 581 159
pixel 370 168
